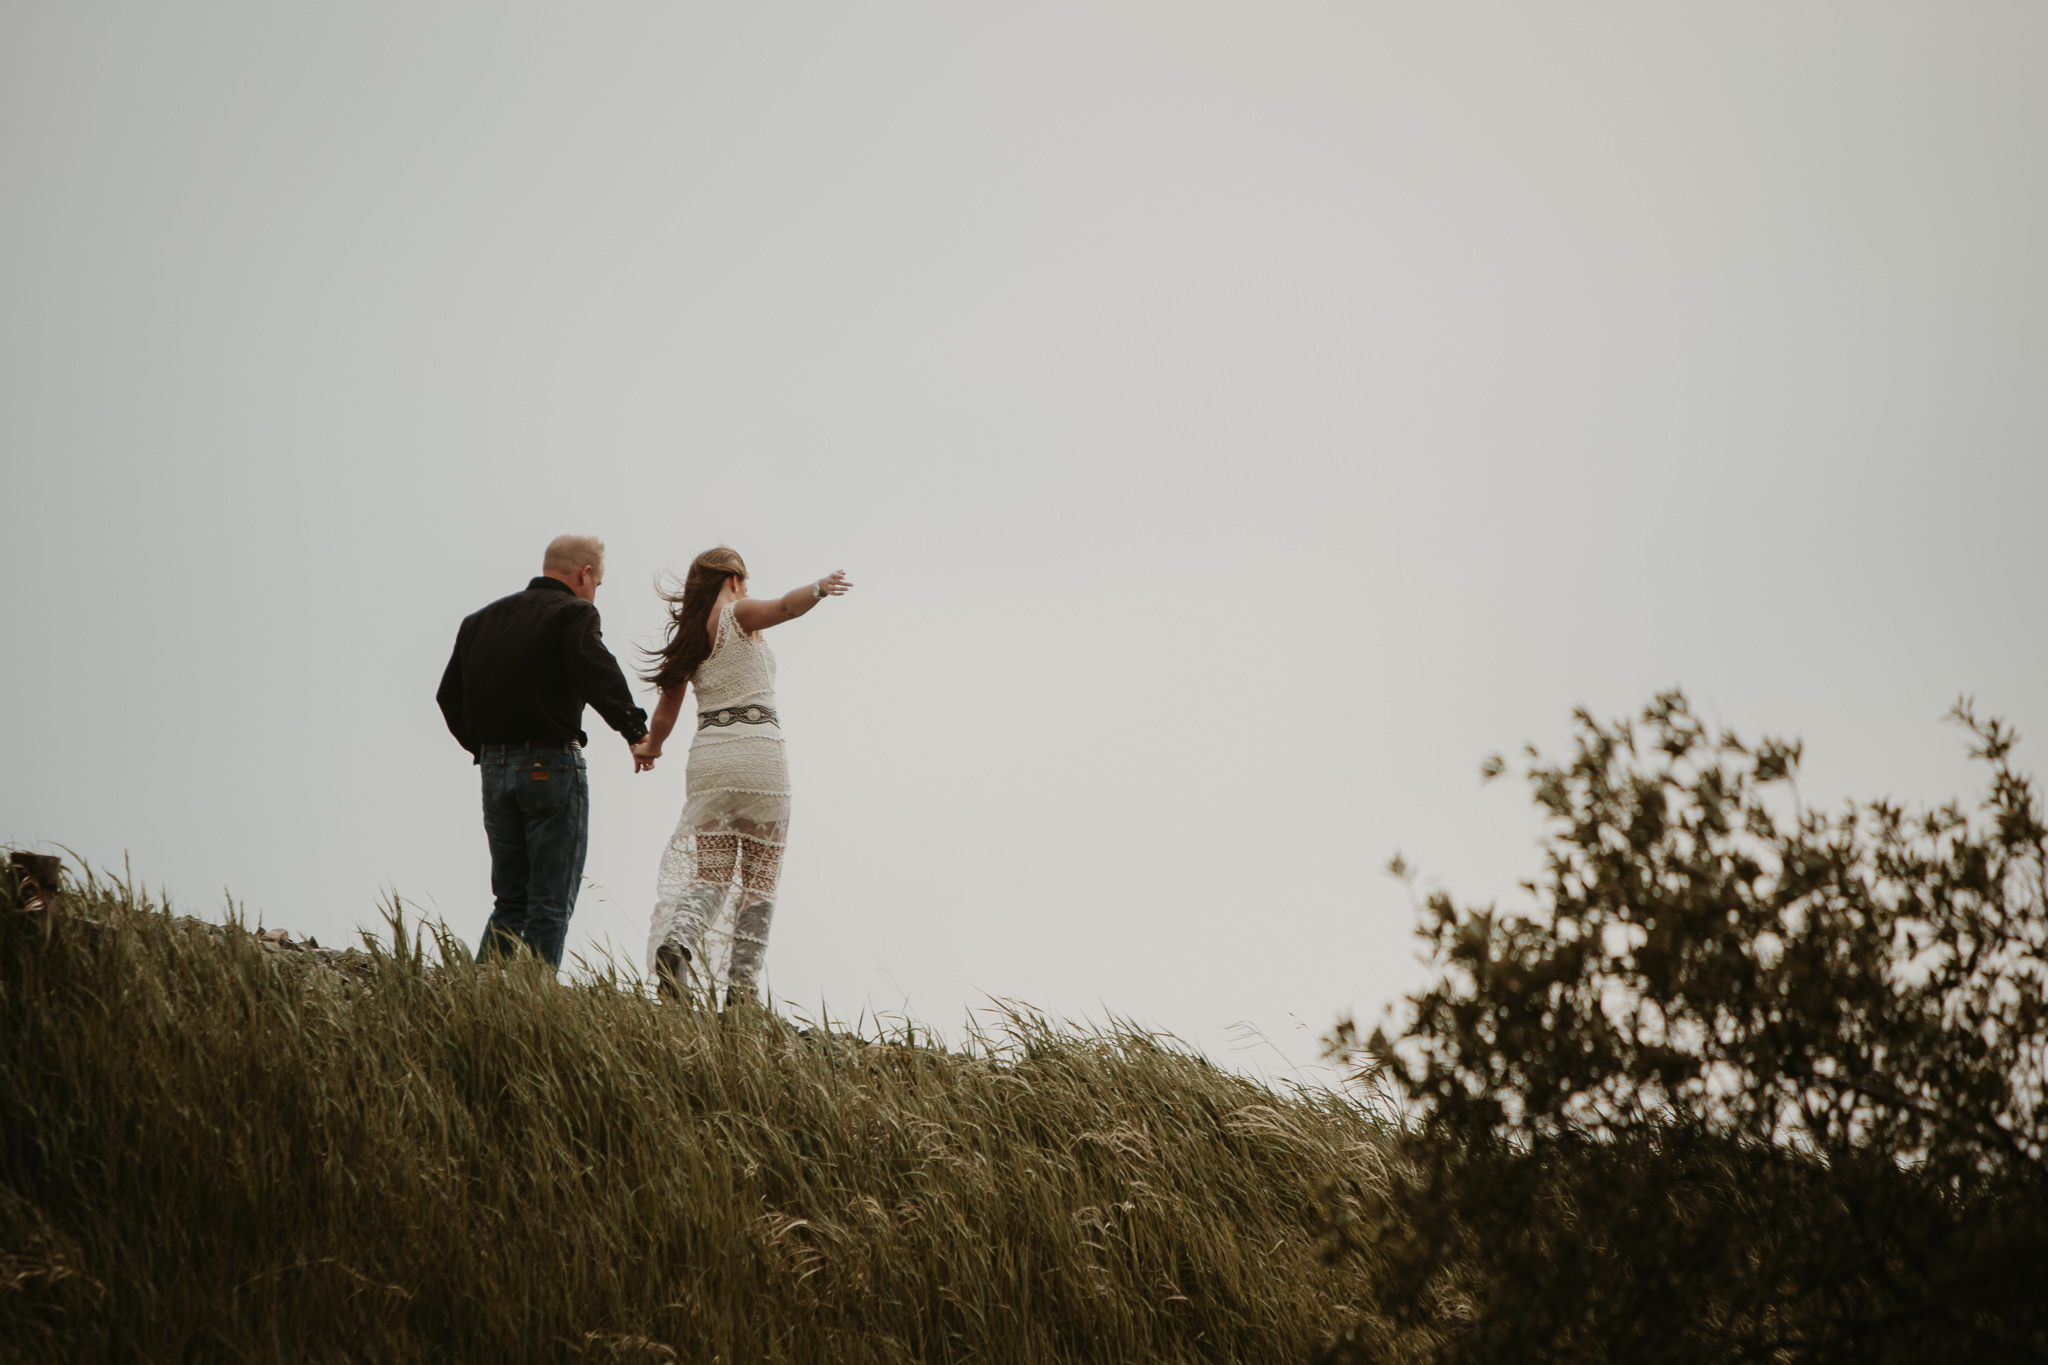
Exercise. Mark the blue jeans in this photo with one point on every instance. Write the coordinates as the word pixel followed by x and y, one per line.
pixel 537 816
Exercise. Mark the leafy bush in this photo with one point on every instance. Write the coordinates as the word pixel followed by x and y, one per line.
pixel 1751 1083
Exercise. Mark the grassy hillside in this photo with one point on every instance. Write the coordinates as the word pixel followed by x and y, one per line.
pixel 217 1148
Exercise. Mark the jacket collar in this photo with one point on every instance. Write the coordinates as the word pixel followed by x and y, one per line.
pixel 544 583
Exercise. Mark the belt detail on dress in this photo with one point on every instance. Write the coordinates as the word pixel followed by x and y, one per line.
pixel 737 715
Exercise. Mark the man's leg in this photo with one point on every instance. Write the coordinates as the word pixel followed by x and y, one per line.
pixel 505 827
pixel 557 806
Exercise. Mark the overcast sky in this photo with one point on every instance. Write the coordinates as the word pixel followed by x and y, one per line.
pixel 1238 419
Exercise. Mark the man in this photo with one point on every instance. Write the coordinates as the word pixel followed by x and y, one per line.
pixel 513 695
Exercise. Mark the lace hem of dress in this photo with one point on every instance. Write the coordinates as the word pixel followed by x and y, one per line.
pixel 715 898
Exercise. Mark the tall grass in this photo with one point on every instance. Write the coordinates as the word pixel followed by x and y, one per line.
pixel 210 1150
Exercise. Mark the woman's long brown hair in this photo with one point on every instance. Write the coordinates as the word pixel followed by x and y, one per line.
pixel 689 618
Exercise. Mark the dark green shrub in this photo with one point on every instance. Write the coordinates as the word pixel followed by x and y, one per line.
pixel 1750 1083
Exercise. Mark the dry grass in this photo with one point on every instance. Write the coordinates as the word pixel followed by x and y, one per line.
pixel 214 1150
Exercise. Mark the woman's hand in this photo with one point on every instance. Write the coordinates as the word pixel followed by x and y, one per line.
pixel 663 721
pixel 834 584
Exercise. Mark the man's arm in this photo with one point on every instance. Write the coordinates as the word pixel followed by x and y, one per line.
pixel 597 677
pixel 450 698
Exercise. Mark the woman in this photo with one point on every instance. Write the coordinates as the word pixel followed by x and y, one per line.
pixel 728 846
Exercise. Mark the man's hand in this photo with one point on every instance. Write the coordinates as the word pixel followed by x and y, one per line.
pixel 644 754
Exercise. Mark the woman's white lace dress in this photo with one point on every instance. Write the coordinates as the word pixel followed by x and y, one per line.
pixel 715 894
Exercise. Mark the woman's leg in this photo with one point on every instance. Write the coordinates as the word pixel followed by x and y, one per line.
pixel 696 875
pixel 760 865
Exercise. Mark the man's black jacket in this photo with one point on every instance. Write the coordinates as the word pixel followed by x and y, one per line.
pixel 524 666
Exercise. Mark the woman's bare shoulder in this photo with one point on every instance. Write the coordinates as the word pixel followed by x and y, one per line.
pixel 762 612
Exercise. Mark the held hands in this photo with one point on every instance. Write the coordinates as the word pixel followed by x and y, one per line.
pixel 644 754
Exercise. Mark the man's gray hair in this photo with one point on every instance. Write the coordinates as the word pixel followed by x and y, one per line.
pixel 567 554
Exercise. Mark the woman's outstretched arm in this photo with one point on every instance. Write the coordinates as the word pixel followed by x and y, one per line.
pixel 658 725
pixel 759 613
